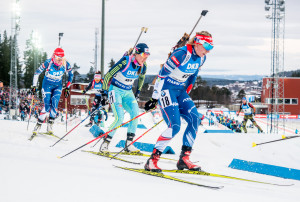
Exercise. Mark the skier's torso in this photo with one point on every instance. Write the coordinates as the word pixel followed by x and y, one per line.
pixel 54 74
pixel 125 77
pixel 182 63
pixel 246 108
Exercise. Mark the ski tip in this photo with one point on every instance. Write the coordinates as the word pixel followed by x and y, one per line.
pixel 283 136
pixel 253 144
pixel 58 157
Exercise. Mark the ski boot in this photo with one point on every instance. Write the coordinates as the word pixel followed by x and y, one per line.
pixel 129 140
pixel 151 164
pixel 50 126
pixel 36 129
pixel 89 124
pixel 105 144
pixel 184 160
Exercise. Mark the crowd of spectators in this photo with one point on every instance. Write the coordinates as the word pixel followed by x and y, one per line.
pixel 230 123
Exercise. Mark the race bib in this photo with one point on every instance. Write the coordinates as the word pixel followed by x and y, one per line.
pixel 112 97
pixel 165 99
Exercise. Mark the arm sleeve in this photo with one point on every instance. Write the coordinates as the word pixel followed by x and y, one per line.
pixel 173 62
pixel 37 73
pixel 121 64
pixel 89 86
pixel 70 74
pixel 142 78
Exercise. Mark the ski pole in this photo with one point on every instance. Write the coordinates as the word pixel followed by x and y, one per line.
pixel 72 129
pixel 66 107
pixel 144 29
pixel 105 134
pixel 283 138
pixel 136 139
pixel 30 111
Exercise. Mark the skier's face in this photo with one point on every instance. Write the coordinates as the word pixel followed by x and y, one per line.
pixel 141 58
pixel 58 60
pixel 200 50
pixel 244 101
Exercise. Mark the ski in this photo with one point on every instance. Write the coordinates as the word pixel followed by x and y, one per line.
pixel 220 176
pixel 32 136
pixel 50 134
pixel 161 175
pixel 108 155
pixel 140 154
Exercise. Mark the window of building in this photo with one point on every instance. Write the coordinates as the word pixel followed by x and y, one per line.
pixel 294 101
pixel 287 101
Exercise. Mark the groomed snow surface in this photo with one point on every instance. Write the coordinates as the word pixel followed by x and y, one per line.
pixel 31 172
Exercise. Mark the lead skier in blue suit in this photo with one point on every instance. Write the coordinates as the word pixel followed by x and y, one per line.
pixel 55 68
pixel 174 82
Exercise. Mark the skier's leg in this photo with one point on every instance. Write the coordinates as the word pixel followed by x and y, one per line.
pixel 56 93
pixel 245 123
pixel 130 105
pixel 190 114
pixel 95 106
pixel 171 115
pixel 256 125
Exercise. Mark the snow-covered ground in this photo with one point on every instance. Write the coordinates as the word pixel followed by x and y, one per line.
pixel 31 171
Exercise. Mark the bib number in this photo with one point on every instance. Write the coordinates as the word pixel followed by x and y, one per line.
pixel 112 97
pixel 165 99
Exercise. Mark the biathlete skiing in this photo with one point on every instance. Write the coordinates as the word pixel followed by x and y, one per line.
pixel 171 91
pixel 55 68
pixel 96 84
pixel 247 108
pixel 121 77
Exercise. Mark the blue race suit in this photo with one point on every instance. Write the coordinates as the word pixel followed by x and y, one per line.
pixel 52 85
pixel 177 74
pixel 122 76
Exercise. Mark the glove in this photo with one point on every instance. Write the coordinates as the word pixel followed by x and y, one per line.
pixel 104 96
pixel 83 92
pixel 67 92
pixel 238 114
pixel 33 90
pixel 137 95
pixel 151 104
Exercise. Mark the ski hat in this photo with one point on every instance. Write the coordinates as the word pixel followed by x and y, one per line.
pixel 97 76
pixel 142 48
pixel 59 52
pixel 244 98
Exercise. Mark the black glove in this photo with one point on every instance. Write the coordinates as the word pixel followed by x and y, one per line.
pixel 67 92
pixel 83 92
pixel 137 95
pixel 151 104
pixel 104 97
pixel 33 90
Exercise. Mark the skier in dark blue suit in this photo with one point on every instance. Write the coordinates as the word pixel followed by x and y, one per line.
pixel 174 82
pixel 55 68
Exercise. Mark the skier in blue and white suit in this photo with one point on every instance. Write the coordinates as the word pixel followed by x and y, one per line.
pixel 174 82
pixel 55 68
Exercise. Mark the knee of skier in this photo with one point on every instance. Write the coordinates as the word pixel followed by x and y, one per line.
pixel 175 129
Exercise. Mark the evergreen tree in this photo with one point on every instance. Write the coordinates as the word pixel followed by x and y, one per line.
pixel 90 75
pixel 241 94
pixel 30 54
pixel 111 63
pixel 5 55
pixel 75 73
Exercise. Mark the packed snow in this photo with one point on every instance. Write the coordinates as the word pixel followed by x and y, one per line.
pixel 31 172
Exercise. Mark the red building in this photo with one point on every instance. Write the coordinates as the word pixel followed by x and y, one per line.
pixel 291 96
pixel 76 100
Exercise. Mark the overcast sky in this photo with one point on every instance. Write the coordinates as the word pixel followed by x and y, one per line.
pixel 241 33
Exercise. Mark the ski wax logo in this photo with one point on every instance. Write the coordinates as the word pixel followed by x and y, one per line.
pixel 175 60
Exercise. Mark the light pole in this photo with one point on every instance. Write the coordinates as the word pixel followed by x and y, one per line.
pixel 15 28
pixel 102 38
pixel 276 94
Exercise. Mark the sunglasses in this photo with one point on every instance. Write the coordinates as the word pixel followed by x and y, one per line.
pixel 205 44
pixel 144 55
